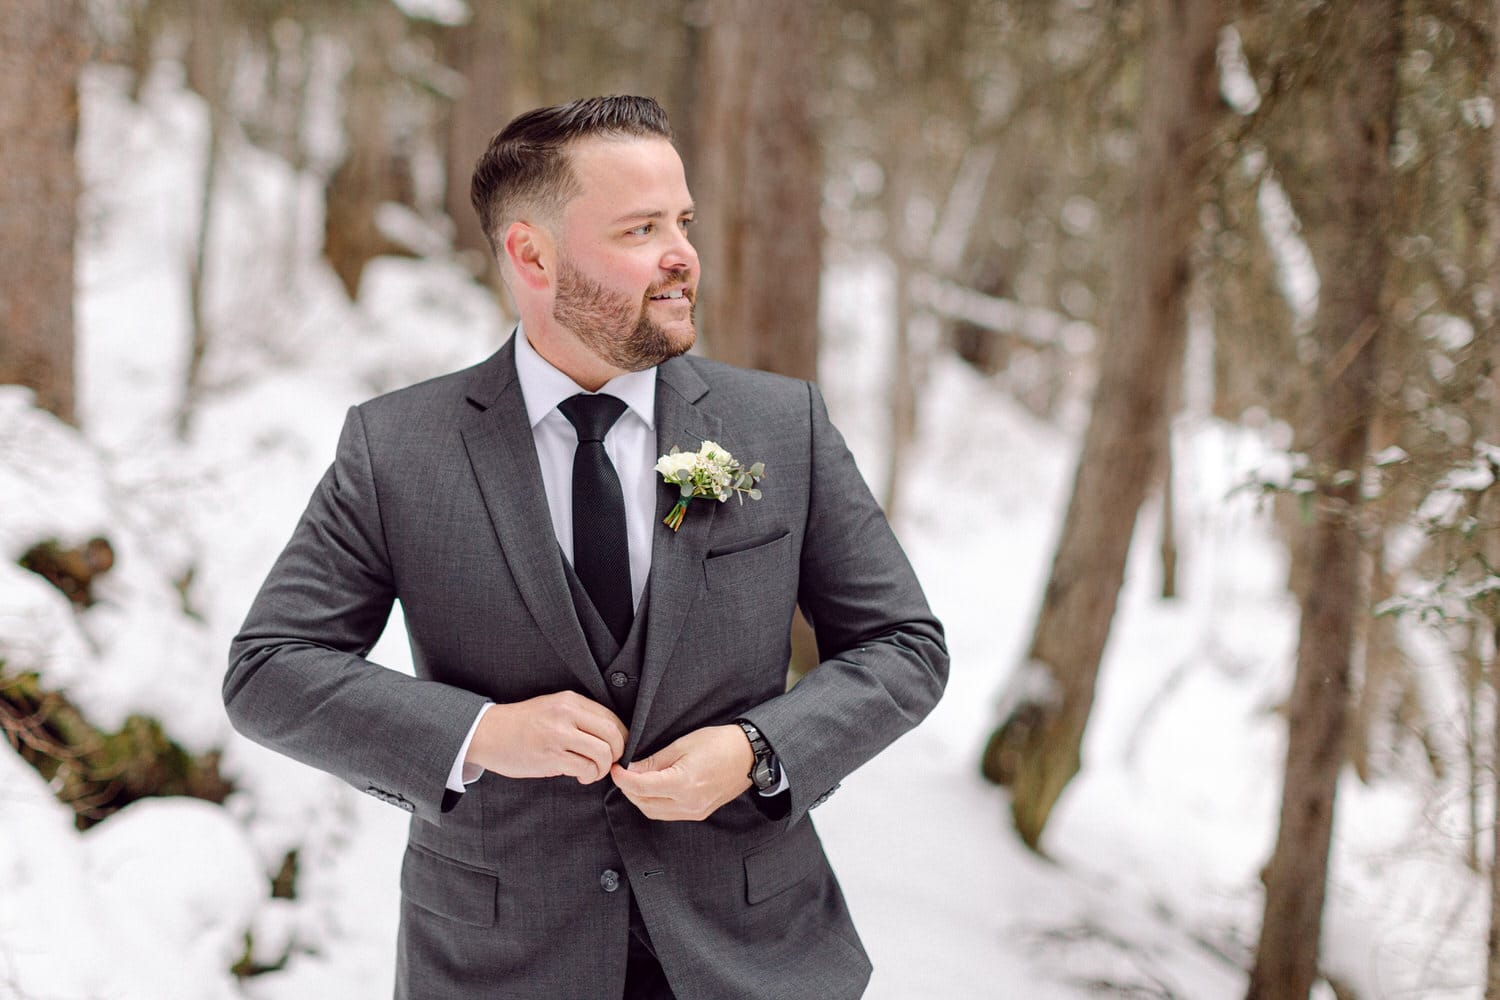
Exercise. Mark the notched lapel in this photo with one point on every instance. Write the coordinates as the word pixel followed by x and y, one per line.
pixel 503 455
pixel 676 557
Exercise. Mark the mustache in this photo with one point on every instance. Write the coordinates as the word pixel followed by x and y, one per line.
pixel 675 281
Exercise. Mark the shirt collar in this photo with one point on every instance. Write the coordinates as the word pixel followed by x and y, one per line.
pixel 543 386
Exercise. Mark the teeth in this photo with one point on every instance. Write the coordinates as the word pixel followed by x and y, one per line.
pixel 674 294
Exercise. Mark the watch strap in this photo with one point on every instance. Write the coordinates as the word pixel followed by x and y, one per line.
pixel 765 772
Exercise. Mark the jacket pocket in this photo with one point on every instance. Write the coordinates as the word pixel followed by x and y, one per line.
pixel 449 888
pixel 740 566
pixel 774 867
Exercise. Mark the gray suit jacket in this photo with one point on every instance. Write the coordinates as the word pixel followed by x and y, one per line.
pixel 435 499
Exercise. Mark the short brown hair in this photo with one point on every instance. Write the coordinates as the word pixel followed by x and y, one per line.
pixel 526 163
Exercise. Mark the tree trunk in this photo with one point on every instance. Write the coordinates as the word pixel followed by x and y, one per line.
pixel 1346 219
pixel 1168 522
pixel 759 169
pixel 478 50
pixel 1166 475
pixel 43 51
pixel 208 53
pixel 1036 749
pixel 1492 969
pixel 909 256
pixel 366 178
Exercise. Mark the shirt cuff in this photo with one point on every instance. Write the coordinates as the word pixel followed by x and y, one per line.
pixel 464 774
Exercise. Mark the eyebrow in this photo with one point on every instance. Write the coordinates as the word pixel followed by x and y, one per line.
pixel 651 214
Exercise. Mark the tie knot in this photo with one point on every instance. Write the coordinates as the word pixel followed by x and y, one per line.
pixel 592 415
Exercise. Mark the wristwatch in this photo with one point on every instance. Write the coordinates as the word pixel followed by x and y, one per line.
pixel 765 773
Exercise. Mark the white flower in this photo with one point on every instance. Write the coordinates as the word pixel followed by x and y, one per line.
pixel 673 465
pixel 710 473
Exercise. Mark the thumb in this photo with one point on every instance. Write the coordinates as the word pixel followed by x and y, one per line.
pixel 645 764
pixel 635 780
pixel 662 760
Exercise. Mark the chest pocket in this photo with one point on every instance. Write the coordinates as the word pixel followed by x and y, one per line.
pixel 759 563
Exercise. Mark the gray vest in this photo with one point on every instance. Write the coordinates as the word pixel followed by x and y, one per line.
pixel 620 665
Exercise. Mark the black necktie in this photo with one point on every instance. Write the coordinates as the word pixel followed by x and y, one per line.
pixel 601 557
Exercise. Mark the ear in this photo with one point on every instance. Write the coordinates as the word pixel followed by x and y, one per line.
pixel 529 250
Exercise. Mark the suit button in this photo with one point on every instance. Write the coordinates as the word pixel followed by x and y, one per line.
pixel 619 678
pixel 610 880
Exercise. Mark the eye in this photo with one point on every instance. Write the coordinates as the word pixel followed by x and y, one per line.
pixel 684 222
pixel 644 229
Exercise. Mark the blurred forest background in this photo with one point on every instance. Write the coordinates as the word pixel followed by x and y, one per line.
pixel 1070 197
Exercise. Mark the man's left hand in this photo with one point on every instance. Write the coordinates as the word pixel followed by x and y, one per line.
pixel 691 777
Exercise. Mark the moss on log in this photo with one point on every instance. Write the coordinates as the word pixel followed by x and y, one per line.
pixel 94 771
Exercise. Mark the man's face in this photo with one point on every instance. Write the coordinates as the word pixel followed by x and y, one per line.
pixel 627 276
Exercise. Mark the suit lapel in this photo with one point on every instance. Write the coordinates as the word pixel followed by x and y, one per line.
pixel 503 454
pixel 676 557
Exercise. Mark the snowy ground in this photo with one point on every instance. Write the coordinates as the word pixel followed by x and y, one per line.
pixel 1150 888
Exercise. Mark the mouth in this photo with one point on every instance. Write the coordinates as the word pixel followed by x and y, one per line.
pixel 675 294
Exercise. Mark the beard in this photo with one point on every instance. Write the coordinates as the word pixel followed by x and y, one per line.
pixel 615 329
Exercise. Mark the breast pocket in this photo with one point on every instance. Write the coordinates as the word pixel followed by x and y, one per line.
pixel 757 562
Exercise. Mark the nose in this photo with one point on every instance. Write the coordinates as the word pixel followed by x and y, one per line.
pixel 680 255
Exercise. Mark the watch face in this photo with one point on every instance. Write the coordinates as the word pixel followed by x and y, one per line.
pixel 765 777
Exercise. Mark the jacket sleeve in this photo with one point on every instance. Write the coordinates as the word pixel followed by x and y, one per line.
pixel 298 680
pixel 883 661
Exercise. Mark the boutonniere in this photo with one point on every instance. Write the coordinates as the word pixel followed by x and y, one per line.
pixel 710 473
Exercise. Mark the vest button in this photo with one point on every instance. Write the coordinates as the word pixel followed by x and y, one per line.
pixel 610 880
pixel 619 678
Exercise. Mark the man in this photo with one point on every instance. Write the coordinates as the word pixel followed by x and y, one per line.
pixel 609 778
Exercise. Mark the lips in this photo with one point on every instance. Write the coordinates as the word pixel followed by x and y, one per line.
pixel 676 293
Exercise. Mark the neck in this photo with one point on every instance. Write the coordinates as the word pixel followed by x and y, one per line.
pixel 560 348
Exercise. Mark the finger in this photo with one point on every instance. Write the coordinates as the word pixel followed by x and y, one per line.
pixel 639 785
pixel 628 781
pixel 605 726
pixel 595 718
pixel 664 759
pixel 656 807
pixel 585 744
pixel 585 769
pixel 652 779
pixel 647 765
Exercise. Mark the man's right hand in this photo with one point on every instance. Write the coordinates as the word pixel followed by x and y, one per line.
pixel 554 734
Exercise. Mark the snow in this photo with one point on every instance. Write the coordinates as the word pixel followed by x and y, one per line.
pixel 1150 881
pixel 445 12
